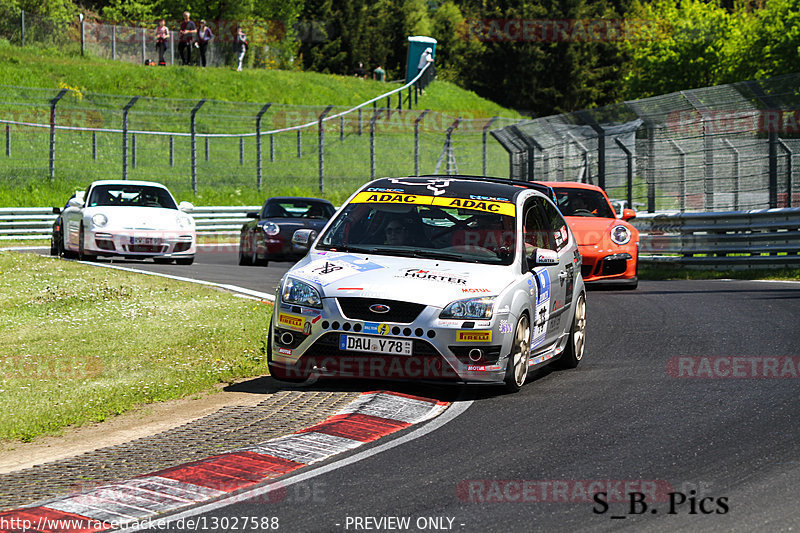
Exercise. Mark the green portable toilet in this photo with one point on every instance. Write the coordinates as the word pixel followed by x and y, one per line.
pixel 416 46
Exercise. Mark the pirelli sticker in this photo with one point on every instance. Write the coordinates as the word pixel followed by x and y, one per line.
pixel 488 206
pixel 294 322
pixel 474 336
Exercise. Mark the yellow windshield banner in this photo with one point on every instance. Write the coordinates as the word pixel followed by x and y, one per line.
pixel 500 208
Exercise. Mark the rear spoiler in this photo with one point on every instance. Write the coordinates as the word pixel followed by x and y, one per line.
pixel 535 185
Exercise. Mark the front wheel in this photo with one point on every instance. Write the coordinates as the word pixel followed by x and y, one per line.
pixel 573 353
pixel 82 255
pixel 185 260
pixel 517 366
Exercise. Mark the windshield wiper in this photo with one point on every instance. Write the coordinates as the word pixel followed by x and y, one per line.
pixel 433 254
pixel 347 248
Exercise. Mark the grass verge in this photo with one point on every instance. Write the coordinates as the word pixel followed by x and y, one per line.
pixel 80 344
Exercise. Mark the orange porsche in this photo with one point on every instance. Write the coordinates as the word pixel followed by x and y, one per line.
pixel 609 245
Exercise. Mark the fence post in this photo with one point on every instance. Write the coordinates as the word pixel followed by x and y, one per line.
pixel 8 140
pixel 125 136
pixel 241 151
pixel 114 41
pixel 416 140
pixel 53 104
pixel 299 144
pixel 172 48
pixel 83 35
pixel 94 145
pixel 359 122
pixel 133 155
pixel 271 148
pixel 388 107
pixel 773 169
pixel 485 130
pixel 341 127
pixel 194 143
pixel 531 145
pixel 258 144
pixel 172 150
pixel 206 148
pixel 372 145
pixel 22 24
pixel 586 176
pixel 736 175
pixel 682 155
pixel 447 151
pixel 409 98
pixel 629 170
pixel 789 154
pixel 144 47
pixel 321 147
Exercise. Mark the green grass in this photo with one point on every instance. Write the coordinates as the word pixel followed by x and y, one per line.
pixel 80 344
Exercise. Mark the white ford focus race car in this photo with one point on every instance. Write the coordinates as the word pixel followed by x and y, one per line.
pixel 457 278
pixel 133 219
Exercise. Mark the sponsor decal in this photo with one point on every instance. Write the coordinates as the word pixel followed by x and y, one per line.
pixel 390 198
pixel 377 328
pixel 483 368
pixel 436 185
pixel 449 323
pixel 328 271
pixel 474 336
pixel 544 285
pixel 505 327
pixel 316 319
pixel 382 189
pixel 475 290
pixel 540 323
pixel 285 351
pixel 294 322
pixel 541 358
pixel 431 275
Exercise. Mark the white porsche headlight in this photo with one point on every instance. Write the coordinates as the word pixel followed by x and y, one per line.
pixel 477 308
pixel 270 228
pixel 99 220
pixel 300 293
pixel 620 234
pixel 184 221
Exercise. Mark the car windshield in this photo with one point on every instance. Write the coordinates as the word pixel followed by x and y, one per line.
pixel 429 231
pixel 298 209
pixel 574 202
pixel 131 195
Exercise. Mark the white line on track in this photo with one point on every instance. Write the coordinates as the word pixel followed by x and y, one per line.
pixel 451 413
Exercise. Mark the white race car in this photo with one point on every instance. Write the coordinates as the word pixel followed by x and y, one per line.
pixel 133 219
pixel 459 278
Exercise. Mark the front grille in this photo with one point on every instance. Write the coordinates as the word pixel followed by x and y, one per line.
pixel 182 247
pixel 400 312
pixel 615 264
pixel 146 248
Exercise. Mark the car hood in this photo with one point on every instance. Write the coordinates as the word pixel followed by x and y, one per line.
pixel 132 217
pixel 590 230
pixel 432 282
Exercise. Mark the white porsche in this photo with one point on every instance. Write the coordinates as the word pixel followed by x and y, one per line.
pixel 132 219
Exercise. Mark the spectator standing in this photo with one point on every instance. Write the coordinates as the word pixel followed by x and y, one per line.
pixel 204 36
pixel 187 33
pixel 359 71
pixel 425 58
pixel 240 45
pixel 162 38
pixel 379 74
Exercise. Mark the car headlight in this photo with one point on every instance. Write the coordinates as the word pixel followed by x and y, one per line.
pixel 478 308
pixel 300 293
pixel 620 234
pixel 185 222
pixel 270 228
pixel 99 220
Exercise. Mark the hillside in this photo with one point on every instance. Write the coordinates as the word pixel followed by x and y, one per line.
pixel 48 68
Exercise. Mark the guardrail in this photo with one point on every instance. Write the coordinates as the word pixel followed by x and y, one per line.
pixel 762 238
pixel 28 223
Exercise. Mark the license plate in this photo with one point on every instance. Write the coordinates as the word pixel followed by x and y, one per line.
pixel 359 343
pixel 145 240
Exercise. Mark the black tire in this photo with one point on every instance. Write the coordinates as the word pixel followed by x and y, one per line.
pixel 634 282
pixel 82 255
pixel 518 358
pixel 162 260
pixel 243 259
pixel 573 352
pixel 55 244
pixel 185 260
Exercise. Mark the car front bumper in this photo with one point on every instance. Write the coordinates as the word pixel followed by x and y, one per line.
pixel 141 243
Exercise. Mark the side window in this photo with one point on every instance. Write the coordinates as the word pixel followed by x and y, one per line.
pixel 558 232
pixel 536 229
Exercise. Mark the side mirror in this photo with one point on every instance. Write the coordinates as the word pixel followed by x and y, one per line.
pixel 186 207
pixel 543 256
pixel 303 238
pixel 75 202
pixel 628 214
pixel 251 214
